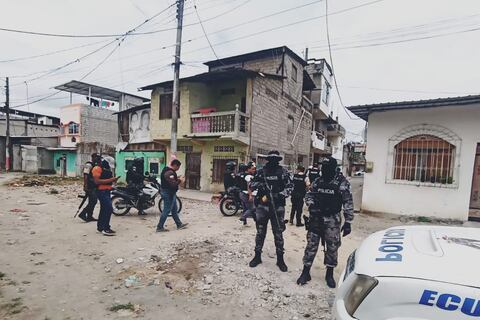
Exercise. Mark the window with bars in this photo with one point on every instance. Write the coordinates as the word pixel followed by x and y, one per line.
pixel 73 128
pixel 424 158
pixel 219 166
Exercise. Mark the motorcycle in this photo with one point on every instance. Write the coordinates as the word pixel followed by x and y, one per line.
pixel 230 202
pixel 123 200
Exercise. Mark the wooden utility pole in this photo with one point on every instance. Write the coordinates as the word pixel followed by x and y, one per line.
pixel 7 139
pixel 176 79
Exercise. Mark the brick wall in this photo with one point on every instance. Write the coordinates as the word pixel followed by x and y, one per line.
pixel 98 125
pixel 271 110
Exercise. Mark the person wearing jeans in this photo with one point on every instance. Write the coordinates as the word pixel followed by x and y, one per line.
pixel 103 178
pixel 169 183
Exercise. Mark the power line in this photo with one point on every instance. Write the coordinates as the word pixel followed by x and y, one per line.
pixel 331 64
pixel 51 53
pixel 205 32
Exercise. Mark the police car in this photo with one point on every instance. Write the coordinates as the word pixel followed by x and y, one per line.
pixel 413 273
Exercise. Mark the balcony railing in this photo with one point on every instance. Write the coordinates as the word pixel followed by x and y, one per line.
pixel 233 123
pixel 335 130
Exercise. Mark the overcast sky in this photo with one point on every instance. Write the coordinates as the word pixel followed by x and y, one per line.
pixel 388 50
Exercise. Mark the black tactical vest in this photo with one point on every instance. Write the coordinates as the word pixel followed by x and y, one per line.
pixel 329 198
pixel 313 174
pixel 299 187
pixel 274 178
pixel 163 182
pixel 241 182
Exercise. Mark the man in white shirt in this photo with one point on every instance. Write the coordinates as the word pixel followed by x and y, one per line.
pixel 248 195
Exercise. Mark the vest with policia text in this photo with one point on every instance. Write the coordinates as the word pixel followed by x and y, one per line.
pixel 313 174
pixel 299 186
pixel 328 199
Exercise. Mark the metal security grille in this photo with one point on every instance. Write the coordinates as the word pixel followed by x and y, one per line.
pixel 424 158
pixel 219 167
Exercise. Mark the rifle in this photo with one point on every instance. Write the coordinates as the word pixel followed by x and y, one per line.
pixel 272 202
pixel 84 198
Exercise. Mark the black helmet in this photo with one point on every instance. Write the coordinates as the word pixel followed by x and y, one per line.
pixel 231 165
pixel 242 167
pixel 274 156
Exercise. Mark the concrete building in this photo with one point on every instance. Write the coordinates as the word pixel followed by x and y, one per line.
pixel 327 134
pixel 136 142
pixel 25 131
pixel 423 157
pixel 240 109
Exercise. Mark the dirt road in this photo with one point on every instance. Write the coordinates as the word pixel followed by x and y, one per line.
pixel 55 267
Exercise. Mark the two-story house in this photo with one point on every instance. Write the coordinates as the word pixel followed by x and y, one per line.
pixel 240 109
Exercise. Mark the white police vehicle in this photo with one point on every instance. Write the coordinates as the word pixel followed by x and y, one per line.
pixel 413 273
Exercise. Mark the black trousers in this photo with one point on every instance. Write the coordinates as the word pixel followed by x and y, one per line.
pixel 297 208
pixel 92 202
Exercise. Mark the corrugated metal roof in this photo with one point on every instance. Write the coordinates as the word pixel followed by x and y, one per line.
pixel 214 76
pixel 363 111
pixel 96 91
pixel 256 55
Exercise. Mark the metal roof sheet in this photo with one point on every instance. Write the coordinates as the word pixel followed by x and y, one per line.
pixel 82 88
pixel 363 111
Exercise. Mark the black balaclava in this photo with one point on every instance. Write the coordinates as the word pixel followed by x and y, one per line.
pixel 273 159
pixel 329 167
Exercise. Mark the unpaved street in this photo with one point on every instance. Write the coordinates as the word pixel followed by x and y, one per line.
pixel 55 267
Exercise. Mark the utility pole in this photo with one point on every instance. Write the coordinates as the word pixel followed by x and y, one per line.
pixel 7 142
pixel 176 79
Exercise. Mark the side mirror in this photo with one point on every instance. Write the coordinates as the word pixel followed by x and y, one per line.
pixel 147 173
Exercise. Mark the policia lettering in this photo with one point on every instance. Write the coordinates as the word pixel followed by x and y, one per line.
pixel 325 200
pixel 273 185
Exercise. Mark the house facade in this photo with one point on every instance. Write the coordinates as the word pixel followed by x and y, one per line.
pixel 327 134
pixel 240 109
pixel 136 142
pixel 422 157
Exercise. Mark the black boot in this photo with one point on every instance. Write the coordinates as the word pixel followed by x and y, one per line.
pixel 329 278
pixel 256 260
pixel 281 263
pixel 305 276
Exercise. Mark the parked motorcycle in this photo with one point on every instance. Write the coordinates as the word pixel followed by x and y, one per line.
pixel 230 202
pixel 123 200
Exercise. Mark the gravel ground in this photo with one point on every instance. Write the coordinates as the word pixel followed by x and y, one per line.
pixel 55 267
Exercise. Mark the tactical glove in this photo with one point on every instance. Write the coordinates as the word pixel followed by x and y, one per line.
pixel 346 229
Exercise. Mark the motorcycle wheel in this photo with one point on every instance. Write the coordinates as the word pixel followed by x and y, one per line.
pixel 161 205
pixel 120 207
pixel 229 207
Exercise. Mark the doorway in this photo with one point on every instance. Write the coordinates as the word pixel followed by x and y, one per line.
pixel 475 195
pixel 192 171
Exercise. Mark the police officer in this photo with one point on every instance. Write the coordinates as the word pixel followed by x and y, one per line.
pixel 325 200
pixel 135 180
pixel 229 177
pixel 299 191
pixel 90 189
pixel 273 185
pixel 313 173
pixel 242 184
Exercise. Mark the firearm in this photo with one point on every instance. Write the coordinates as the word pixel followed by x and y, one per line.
pixel 84 198
pixel 272 202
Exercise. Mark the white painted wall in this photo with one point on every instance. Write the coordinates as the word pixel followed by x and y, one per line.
pixel 453 203
pixel 68 114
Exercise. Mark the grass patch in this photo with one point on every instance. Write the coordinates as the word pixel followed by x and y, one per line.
pixel 117 307
pixel 424 219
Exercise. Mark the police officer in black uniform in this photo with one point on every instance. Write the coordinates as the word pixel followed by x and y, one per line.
pixel 313 173
pixel 135 180
pixel 274 185
pixel 327 195
pixel 229 176
pixel 298 194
